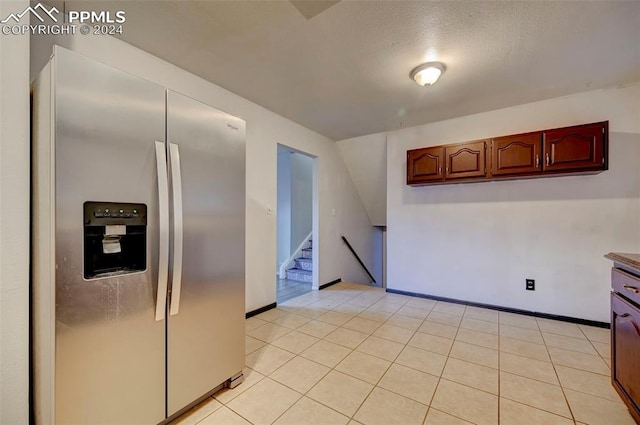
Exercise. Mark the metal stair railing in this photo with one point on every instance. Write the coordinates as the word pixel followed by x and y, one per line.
pixel 359 260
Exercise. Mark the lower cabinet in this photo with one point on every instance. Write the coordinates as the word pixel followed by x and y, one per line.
pixel 625 347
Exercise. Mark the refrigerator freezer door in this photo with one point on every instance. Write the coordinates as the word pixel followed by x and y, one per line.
pixel 110 352
pixel 205 340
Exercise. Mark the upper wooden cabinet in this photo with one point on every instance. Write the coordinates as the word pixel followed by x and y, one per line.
pixel 569 150
pixel 575 148
pixel 425 165
pixel 519 154
pixel 466 160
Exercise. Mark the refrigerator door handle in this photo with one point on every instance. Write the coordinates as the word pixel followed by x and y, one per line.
pixel 163 213
pixel 176 179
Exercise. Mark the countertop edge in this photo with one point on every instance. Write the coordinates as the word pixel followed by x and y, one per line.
pixel 629 260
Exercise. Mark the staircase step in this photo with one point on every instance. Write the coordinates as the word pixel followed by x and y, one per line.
pixel 307 253
pixel 299 275
pixel 304 263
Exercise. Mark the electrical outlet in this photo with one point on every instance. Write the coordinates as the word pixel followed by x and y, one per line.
pixel 530 284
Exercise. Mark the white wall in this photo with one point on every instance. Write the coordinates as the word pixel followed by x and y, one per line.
pixel 265 130
pixel 479 241
pixel 301 198
pixel 366 159
pixel 14 223
pixel 377 267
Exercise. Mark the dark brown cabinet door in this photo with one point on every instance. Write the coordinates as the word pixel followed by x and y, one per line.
pixel 425 165
pixel 577 148
pixel 466 160
pixel 625 346
pixel 518 154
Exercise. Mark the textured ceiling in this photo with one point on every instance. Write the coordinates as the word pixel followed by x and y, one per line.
pixel 344 72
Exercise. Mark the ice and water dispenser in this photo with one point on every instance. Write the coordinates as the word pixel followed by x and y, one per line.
pixel 115 239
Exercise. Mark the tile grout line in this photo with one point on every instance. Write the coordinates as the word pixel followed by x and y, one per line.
pixel 544 382
pixel 534 379
pixel 596 349
pixel 499 370
pixel 566 400
pixel 407 345
pixel 379 379
pixel 230 408
pixel 294 403
pixel 429 407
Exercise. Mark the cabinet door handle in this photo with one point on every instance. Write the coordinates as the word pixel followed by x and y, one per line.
pixel 548 160
pixel 537 160
pixel 440 170
pixel 631 288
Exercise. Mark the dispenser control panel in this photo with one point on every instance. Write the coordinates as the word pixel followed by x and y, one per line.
pixel 115 239
pixel 101 213
pixel 120 212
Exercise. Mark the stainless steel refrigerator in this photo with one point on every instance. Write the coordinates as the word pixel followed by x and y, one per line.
pixel 138 247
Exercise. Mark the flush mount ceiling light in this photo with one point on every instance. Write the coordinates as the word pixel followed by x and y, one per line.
pixel 427 73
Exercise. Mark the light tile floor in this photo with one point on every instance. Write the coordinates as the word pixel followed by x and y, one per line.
pixel 353 354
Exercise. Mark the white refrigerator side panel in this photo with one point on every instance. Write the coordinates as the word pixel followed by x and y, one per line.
pixel 42 248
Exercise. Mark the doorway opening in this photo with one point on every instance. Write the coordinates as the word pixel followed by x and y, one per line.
pixel 296 210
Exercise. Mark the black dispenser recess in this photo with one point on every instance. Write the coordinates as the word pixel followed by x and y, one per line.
pixel 115 239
